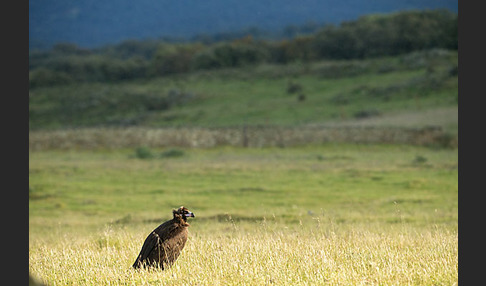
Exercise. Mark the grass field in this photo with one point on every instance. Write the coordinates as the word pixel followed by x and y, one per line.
pixel 309 215
pixel 103 174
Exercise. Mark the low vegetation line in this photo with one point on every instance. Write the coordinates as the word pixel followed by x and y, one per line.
pixel 245 136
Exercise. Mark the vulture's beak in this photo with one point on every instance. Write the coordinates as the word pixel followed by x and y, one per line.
pixel 190 214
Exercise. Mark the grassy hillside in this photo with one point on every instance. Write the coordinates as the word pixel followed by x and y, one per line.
pixel 327 92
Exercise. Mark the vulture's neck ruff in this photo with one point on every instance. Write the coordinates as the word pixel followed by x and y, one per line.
pixel 182 214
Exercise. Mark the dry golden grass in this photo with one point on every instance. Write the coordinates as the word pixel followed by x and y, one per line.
pixel 259 136
pixel 316 215
pixel 257 254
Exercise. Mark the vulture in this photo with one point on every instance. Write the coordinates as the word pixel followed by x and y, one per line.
pixel 164 244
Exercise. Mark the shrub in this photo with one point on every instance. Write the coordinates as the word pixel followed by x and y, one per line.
pixel 419 159
pixel 293 87
pixel 46 77
pixel 366 113
pixel 229 55
pixel 143 153
pixel 172 153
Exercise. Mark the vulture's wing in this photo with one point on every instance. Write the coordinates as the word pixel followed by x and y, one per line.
pixel 150 244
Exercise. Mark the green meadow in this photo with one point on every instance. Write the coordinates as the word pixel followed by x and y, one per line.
pixel 344 214
pixel 315 213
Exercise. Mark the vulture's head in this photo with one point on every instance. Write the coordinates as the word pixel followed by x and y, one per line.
pixel 182 213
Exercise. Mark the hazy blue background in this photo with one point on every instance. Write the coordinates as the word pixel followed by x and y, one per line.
pixel 91 23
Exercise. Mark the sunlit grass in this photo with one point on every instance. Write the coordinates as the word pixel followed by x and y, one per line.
pixel 312 215
pixel 259 255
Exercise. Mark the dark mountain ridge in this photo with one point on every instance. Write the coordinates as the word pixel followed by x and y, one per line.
pixel 92 23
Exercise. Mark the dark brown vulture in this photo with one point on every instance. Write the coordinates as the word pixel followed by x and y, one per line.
pixel 163 245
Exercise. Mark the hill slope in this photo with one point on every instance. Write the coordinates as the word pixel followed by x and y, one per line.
pixel 325 92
